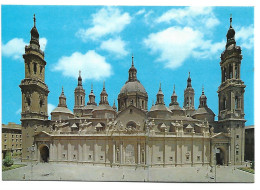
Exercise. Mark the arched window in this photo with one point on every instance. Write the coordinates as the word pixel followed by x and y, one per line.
pixel 28 101
pixel 230 72
pixel 143 104
pixel 187 102
pixel 41 103
pixel 236 73
pixel 77 100
pixel 224 103
pixel 225 74
pixel 190 101
pixel 81 100
pixel 34 68
pixel 236 102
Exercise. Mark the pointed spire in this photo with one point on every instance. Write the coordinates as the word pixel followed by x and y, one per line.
pixel 34 20
pixel 230 19
pixel 203 89
pixel 132 60
pixel 62 99
pixel 114 105
pixel 104 87
pixel 174 88
pixel 91 87
pixel 189 81
pixel 160 87
pixel 79 79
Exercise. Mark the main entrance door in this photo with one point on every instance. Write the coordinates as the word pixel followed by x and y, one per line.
pixel 220 157
pixel 44 153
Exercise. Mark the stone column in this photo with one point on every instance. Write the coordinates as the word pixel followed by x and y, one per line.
pixel 229 154
pixel 121 153
pixel 114 152
pixel 51 152
pixel 139 152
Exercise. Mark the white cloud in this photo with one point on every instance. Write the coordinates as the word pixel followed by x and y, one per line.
pixel 176 44
pixel 106 21
pixel 147 18
pixel 191 16
pixel 116 46
pixel 50 108
pixel 245 35
pixel 91 64
pixel 15 47
pixel 18 111
pixel 43 43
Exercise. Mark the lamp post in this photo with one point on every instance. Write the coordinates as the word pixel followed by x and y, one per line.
pixel 32 150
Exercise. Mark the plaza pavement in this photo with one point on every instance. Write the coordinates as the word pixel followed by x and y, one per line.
pixel 81 172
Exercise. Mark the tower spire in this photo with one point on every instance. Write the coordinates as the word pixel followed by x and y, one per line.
pixel 91 87
pixel 174 88
pixel 104 87
pixel 132 60
pixel 34 20
pixel 230 19
pixel 203 89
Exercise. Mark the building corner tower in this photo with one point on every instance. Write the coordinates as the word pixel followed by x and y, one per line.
pixel 34 116
pixel 231 98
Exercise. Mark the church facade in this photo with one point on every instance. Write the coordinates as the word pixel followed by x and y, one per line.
pixel 132 135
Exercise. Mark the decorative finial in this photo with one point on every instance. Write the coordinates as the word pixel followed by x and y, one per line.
pixel 202 89
pixel 230 20
pixel 174 88
pixel 160 87
pixel 34 20
pixel 189 74
pixel 80 73
pixel 62 90
pixel 91 87
pixel 132 59
pixel 104 85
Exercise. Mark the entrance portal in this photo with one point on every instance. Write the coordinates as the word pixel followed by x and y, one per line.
pixel 220 157
pixel 44 153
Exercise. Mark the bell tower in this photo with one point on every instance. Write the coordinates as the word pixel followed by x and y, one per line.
pixel 189 98
pixel 34 116
pixel 231 97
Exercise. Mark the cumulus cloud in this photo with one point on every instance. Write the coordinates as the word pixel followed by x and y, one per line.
pixel 106 21
pixel 188 38
pixel 91 64
pixel 190 16
pixel 115 46
pixel 175 44
pixel 15 48
pixel 50 108
pixel 245 35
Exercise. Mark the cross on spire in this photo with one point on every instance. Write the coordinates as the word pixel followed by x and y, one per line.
pixel 91 87
pixel 104 85
pixel 160 87
pixel 202 89
pixel 174 88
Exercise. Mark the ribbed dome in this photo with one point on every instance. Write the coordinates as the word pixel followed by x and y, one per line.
pixel 133 86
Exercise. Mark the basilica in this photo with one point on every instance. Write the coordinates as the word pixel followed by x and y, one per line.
pixel 131 134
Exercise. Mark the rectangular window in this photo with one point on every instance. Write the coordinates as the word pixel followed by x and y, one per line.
pixel 5 146
pixel 237 136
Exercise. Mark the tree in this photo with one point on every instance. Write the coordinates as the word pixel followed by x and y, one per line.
pixel 8 159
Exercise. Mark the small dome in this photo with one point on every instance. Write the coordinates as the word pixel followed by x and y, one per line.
pixel 231 33
pixel 203 110
pixel 133 86
pixel 160 107
pixel 104 107
pixel 62 110
pixel 34 32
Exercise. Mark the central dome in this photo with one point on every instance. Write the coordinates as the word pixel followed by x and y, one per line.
pixel 133 86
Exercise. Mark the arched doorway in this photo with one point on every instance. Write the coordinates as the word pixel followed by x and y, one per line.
pixel 44 153
pixel 220 156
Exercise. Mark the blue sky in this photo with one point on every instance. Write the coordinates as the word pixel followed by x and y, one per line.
pixel 167 43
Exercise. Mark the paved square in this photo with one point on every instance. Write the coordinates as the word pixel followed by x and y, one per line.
pixel 81 172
